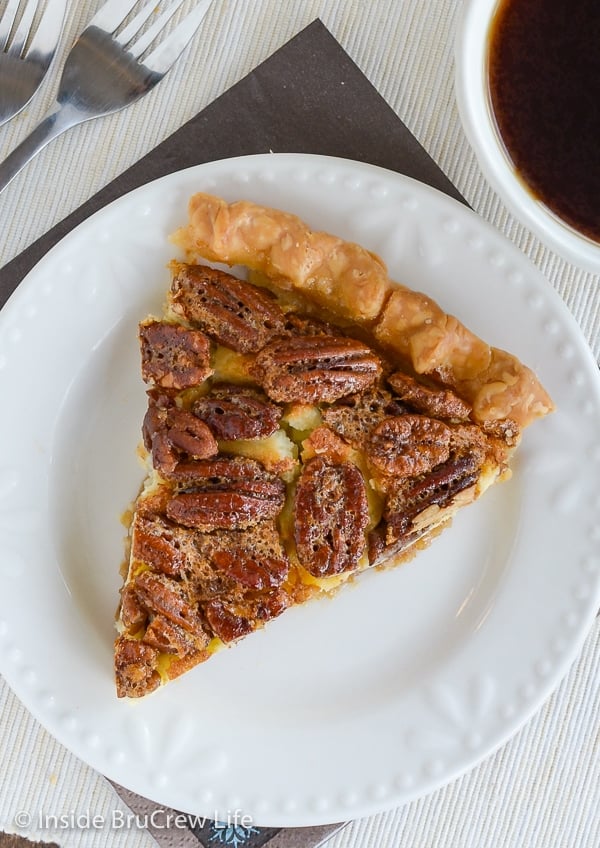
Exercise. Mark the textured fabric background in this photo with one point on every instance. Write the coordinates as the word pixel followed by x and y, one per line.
pixel 541 790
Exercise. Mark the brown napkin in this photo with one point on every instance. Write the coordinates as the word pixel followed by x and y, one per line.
pixel 308 97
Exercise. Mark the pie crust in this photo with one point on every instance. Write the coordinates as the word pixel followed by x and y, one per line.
pixel 303 425
pixel 353 283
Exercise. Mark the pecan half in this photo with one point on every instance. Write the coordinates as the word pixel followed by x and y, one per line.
pixel 230 621
pixel 163 596
pixel 227 623
pixel 132 614
pixel 187 434
pixel 237 412
pixel 330 517
pixel 272 604
pixel 170 638
pixel 409 498
pixel 173 356
pixel 157 544
pixel 438 403
pixel 231 311
pixel 315 368
pixel 135 668
pixel 158 403
pixel 409 445
pixel 172 435
pixel 251 571
pixel 228 493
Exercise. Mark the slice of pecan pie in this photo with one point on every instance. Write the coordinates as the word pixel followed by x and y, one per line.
pixel 301 427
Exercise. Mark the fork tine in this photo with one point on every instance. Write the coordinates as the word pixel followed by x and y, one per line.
pixel 163 56
pixel 136 24
pixel 48 30
pixel 143 43
pixel 113 13
pixel 125 36
pixel 22 33
pixel 8 21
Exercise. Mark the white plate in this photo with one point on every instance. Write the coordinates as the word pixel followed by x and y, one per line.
pixel 345 706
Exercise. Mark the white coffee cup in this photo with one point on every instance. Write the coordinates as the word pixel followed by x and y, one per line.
pixel 475 107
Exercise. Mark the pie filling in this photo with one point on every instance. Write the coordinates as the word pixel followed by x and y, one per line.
pixel 291 439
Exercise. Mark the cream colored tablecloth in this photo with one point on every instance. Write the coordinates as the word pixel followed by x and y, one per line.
pixel 542 789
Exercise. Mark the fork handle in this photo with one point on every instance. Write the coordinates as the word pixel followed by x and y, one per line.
pixel 56 122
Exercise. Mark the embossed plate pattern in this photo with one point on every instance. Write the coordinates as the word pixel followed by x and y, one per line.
pixel 340 708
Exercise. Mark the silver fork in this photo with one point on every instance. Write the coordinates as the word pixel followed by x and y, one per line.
pixel 24 62
pixel 107 71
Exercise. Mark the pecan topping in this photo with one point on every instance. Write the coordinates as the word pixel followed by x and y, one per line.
pixel 170 638
pixel 164 455
pixel 211 567
pixel 376 543
pixel 439 403
pixel 187 434
pixel 228 493
pixel 272 604
pixel 230 621
pixel 135 668
pixel 250 571
pixel 173 357
pixel 468 438
pixel 409 445
pixel 409 498
pixel 304 325
pixel 237 412
pixel 172 434
pixel 158 403
pixel 156 543
pixel 231 311
pixel 132 613
pixel 382 552
pixel 225 622
pixel 324 442
pixel 159 594
pixel 150 505
pixel 330 517
pixel 507 430
pixel 315 368
pixel 354 417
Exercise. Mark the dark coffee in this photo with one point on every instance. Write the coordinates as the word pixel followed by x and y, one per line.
pixel 544 76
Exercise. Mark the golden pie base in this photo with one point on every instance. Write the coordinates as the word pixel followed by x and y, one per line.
pixel 188 590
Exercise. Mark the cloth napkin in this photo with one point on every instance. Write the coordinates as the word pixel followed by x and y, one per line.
pixel 307 97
